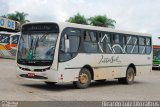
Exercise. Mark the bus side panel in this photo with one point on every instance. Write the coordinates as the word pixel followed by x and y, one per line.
pixel 101 68
pixel 105 66
pixel 143 70
pixel 66 74
pixel 109 73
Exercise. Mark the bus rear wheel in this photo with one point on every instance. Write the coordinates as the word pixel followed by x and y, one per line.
pixel 129 79
pixel 84 79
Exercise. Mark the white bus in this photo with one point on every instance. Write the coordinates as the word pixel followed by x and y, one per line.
pixel 8 44
pixel 65 52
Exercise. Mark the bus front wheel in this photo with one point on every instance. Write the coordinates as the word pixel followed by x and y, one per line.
pixel 84 79
pixel 129 79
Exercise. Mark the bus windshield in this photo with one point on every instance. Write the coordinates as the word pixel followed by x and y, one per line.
pixel 156 54
pixel 36 47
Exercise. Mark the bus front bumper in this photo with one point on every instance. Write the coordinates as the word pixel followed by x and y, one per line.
pixel 156 67
pixel 46 76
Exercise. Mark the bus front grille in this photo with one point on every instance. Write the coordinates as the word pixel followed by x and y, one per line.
pixel 35 70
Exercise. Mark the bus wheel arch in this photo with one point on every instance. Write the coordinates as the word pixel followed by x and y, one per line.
pixel 90 69
pixel 130 75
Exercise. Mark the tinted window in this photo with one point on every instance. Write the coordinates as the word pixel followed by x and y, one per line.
pixel 135 40
pixel 144 45
pixel 122 39
pixel 93 37
pixel 90 43
pixel 90 47
pixel 15 39
pixel 129 49
pixel 129 40
pixel 148 45
pixel 104 42
pixel 116 38
pixel 132 44
pixel 104 37
pixel 142 49
pixel 141 41
pixel 118 50
pixel 4 38
pixel 135 49
pixel 148 41
pixel 148 49
pixel 69 45
pixel 87 37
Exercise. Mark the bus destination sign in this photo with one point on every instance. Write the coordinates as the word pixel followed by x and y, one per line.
pixel 42 27
pixel 52 27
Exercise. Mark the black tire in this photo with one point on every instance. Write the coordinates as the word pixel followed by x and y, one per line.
pixel 50 83
pixel 84 79
pixel 129 79
pixel 103 80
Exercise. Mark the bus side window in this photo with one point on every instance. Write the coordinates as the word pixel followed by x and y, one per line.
pixel 90 42
pixel 69 45
pixel 62 45
pixel 129 44
pixel 142 43
pixel 104 42
pixel 148 45
pixel 4 38
pixel 15 39
pixel 118 43
pixel 116 38
pixel 135 45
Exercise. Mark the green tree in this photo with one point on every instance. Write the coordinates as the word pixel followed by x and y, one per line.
pixel 102 20
pixel 79 19
pixel 17 16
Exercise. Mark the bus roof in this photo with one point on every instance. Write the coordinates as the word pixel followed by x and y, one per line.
pixel 67 24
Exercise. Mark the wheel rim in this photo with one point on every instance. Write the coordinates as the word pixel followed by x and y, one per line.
pixel 83 78
pixel 130 76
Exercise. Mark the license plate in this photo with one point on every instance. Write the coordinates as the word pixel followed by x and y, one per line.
pixel 31 74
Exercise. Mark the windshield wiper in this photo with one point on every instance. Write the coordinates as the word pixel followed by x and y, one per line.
pixel 43 37
pixel 36 44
